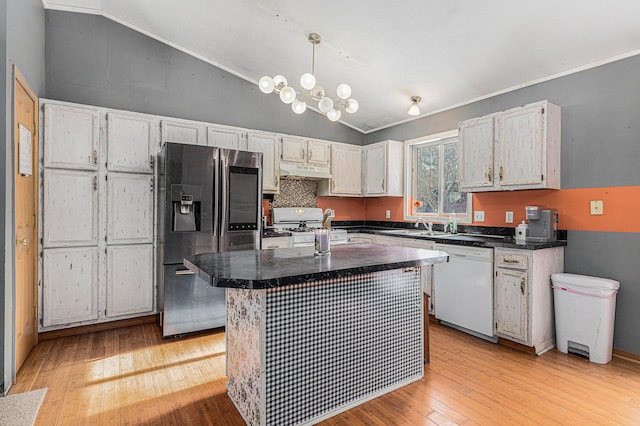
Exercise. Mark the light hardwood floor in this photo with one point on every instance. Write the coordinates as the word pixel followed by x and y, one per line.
pixel 132 376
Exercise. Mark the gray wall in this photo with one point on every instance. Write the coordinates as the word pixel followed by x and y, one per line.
pixel 93 60
pixel 600 148
pixel 22 44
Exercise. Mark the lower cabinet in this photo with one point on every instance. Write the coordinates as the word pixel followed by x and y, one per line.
pixel 70 285
pixel 129 272
pixel 361 239
pixel 427 271
pixel 523 299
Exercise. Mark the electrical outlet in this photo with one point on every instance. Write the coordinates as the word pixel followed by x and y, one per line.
pixel 387 214
pixel 508 217
pixel 478 216
pixel 597 207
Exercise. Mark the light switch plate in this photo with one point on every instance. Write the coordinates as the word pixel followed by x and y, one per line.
pixel 478 216
pixel 597 207
pixel 508 217
pixel 387 214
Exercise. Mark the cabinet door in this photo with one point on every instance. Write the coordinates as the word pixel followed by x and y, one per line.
pixel 226 137
pixel 131 143
pixel 276 242
pixel 182 132
pixel 70 210
pixel 129 279
pixel 318 152
pixel 294 149
pixel 346 169
pixel 129 208
pixel 267 144
pixel 520 146
pixel 70 285
pixel 476 142
pixel 71 137
pixel 375 159
pixel 511 304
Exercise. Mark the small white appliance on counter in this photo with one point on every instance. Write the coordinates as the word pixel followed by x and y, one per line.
pixel 543 224
pixel 302 222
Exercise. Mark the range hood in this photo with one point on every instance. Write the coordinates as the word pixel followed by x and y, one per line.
pixel 304 171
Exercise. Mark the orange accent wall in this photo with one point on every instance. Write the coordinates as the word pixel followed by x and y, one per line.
pixel 621 207
pixel 346 208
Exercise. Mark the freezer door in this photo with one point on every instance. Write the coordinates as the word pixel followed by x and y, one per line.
pixel 190 303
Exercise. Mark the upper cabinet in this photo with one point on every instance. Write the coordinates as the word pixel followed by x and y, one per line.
pixel 301 150
pixel 227 137
pixel 346 172
pixel 183 131
pixel 131 142
pixel 267 144
pixel 515 149
pixel 383 165
pixel 71 136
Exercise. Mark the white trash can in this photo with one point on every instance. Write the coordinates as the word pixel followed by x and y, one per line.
pixel 585 310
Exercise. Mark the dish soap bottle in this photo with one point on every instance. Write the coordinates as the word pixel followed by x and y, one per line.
pixel 453 225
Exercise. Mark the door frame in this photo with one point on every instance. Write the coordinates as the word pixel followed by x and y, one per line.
pixel 19 79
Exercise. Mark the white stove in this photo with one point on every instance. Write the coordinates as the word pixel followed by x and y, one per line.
pixel 302 222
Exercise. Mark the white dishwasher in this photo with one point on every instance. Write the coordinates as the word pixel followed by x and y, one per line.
pixel 464 289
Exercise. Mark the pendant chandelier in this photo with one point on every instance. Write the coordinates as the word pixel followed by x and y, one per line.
pixel 310 92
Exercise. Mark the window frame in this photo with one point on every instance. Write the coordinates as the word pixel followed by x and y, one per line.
pixel 442 217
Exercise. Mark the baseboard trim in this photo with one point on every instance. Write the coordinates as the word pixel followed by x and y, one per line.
pixel 629 356
pixel 74 331
pixel 517 346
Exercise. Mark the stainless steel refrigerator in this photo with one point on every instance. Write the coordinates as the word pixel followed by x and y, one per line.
pixel 209 200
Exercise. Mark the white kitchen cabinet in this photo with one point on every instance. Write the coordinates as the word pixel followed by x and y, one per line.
pixel 383 169
pixel 129 272
pixel 227 137
pixel 131 142
pixel 183 131
pixel 301 150
pixel 524 143
pixel 267 144
pixel 476 140
pixel 277 242
pixel 346 172
pixel 426 275
pixel 523 299
pixel 70 208
pixel 70 285
pixel 129 208
pixel 71 137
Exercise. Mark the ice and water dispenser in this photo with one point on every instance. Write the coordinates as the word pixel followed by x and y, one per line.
pixel 186 200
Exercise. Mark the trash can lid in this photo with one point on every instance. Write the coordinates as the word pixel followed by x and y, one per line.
pixel 585 281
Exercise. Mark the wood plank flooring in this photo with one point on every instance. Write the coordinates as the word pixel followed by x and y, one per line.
pixel 131 376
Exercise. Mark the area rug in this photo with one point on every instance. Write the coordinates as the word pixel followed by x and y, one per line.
pixel 21 409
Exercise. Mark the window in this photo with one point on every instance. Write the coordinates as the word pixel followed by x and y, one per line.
pixel 431 189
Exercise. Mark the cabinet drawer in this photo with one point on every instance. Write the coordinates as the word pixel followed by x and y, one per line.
pixel 512 260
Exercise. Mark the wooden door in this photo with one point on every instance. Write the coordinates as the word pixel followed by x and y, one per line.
pixel 346 169
pixel 318 152
pixel 182 132
pixel 294 149
pixel 129 279
pixel 71 137
pixel 226 137
pixel 511 304
pixel 129 208
pixel 131 143
pixel 267 144
pixel 26 207
pixel 375 169
pixel 476 141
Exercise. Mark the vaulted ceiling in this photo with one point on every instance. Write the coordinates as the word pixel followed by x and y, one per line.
pixel 449 52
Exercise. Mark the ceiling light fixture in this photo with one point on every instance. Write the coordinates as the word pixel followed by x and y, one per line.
pixel 414 109
pixel 310 91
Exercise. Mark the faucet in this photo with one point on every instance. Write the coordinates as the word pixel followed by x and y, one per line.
pixel 425 222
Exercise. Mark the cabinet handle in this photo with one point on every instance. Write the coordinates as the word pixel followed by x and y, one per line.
pixel 383 184
pixel 151 184
pixel 151 162
pixel 333 185
pixel 95 183
pixel 501 173
pixel 95 157
pixel 302 153
pixel 310 154
pixel 489 174
pixel 510 261
pixel 22 242
pixel 522 286
pixel 184 272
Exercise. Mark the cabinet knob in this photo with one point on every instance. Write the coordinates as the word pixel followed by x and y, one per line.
pixel 489 174
pixel 22 242
pixel 500 172
pixel 522 286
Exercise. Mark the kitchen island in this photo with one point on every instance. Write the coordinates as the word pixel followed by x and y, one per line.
pixel 309 336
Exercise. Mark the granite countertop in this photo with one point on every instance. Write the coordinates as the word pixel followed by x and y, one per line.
pixel 260 269
pixel 475 240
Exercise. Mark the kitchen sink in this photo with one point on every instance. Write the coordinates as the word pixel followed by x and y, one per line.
pixel 413 232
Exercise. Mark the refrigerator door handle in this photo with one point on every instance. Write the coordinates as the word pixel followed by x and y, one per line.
pixel 184 272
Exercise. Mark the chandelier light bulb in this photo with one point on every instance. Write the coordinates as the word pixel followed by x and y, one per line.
pixel 352 106
pixel 317 92
pixel 325 105
pixel 280 82
pixel 343 91
pixel 266 84
pixel 334 114
pixel 287 95
pixel 414 109
pixel 307 81
pixel 298 106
